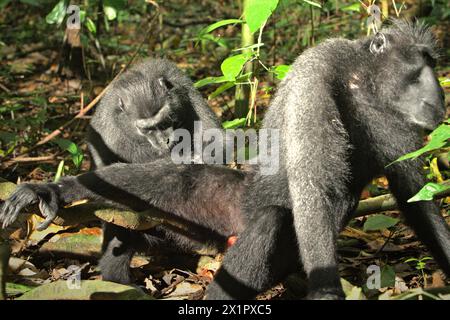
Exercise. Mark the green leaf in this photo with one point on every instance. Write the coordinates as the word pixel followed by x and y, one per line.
pixel 90 25
pixel 110 12
pixel 312 3
pixel 428 192
pixel 353 7
pixel 445 82
pixel 82 15
pixel 58 13
pixel 110 8
pixel 72 148
pixel 281 71
pixel 67 145
pixel 232 66
pixel 77 159
pixel 59 171
pixel 438 139
pixel 236 123
pixel 352 292
pixel 217 40
pixel 221 89
pixel 209 80
pixel 379 222
pixel 219 24
pixel 256 12
pixel 387 277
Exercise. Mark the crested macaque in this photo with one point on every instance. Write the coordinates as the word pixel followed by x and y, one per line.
pixel 345 112
pixel 134 123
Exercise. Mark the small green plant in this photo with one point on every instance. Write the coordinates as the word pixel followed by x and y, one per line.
pixel 439 143
pixel 237 68
pixel 420 266
pixel 75 152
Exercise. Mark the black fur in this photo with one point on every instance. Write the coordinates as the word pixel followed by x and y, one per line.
pixel 134 123
pixel 344 114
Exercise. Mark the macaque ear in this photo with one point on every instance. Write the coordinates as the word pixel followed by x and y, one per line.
pixel 165 84
pixel 378 44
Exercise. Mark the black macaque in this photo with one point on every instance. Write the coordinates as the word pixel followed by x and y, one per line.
pixel 134 123
pixel 345 112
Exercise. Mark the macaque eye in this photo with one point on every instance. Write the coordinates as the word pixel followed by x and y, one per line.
pixel 428 56
pixel 429 59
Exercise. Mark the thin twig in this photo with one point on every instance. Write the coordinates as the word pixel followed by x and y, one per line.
pixel 15 160
pixel 4 88
pixel 391 235
pixel 33 159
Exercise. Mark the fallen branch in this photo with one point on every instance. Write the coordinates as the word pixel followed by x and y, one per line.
pixel 387 202
pixel 381 203
pixel 4 88
pixel 25 160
